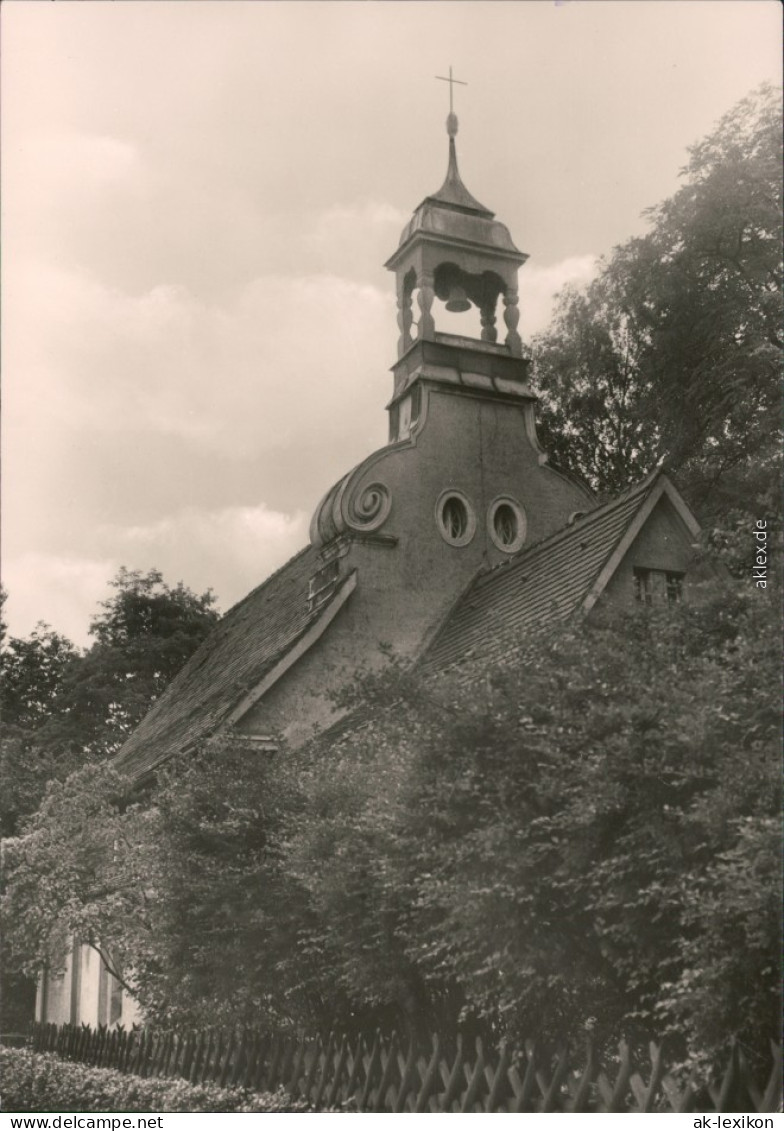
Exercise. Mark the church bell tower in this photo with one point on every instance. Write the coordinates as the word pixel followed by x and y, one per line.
pixel 454 250
pixel 462 484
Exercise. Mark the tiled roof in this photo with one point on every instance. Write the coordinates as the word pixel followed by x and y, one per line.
pixel 544 583
pixel 245 644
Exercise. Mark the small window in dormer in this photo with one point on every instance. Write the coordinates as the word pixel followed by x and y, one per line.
pixel 674 588
pixel 322 584
pixel 642 586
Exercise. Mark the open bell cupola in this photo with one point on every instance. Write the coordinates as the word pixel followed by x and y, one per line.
pixel 453 249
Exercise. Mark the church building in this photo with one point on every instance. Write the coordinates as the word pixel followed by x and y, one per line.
pixel 450 542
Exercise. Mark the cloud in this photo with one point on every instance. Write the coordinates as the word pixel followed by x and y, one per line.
pixel 230 550
pixel 61 590
pixel 277 364
pixel 67 195
pixel 357 237
pixel 540 285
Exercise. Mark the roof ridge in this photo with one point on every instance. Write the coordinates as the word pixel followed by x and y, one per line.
pixel 578 524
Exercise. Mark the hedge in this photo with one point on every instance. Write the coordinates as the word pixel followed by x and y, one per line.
pixel 42 1082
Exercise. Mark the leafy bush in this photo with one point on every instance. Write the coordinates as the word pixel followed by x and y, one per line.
pixel 42 1082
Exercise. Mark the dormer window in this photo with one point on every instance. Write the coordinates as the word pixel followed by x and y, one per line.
pixel 658 587
pixel 323 583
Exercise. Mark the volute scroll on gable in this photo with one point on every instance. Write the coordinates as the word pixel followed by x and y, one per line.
pixel 358 503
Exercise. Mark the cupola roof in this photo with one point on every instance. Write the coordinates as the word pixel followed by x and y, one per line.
pixel 453 193
pixel 454 214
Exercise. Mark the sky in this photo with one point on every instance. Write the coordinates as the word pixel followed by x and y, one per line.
pixel 198 200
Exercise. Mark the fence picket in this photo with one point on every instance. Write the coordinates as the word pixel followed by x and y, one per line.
pixel 771 1101
pixel 621 1080
pixel 497 1081
pixel 299 1060
pixel 452 1080
pixel 224 1067
pixel 355 1067
pixel 263 1050
pixel 199 1045
pixel 407 1070
pixel 523 1088
pixel 721 1097
pixel 583 1087
pixel 388 1071
pixel 327 1060
pixel 276 1052
pixel 429 1078
pixel 374 1065
pixel 313 1064
pixel 657 1071
pixel 128 1051
pixel 338 1073
pixel 679 1101
pixel 475 1081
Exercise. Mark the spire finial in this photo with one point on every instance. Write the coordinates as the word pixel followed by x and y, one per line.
pixel 451 122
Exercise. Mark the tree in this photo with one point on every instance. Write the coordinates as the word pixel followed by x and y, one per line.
pixel 547 843
pixel 229 912
pixel 35 672
pixel 62 708
pixel 584 836
pixel 75 873
pixel 594 395
pixel 143 636
pixel 674 352
pixel 181 892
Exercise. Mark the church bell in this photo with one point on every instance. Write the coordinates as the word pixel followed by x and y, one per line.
pixel 457 302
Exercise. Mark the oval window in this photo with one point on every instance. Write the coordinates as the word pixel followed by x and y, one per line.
pixel 455 518
pixel 506 524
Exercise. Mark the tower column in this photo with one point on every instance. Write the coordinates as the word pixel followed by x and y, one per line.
pixel 511 318
pixel 487 318
pixel 405 316
pixel 427 326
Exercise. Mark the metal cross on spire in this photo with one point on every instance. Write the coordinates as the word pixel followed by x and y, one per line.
pixel 451 82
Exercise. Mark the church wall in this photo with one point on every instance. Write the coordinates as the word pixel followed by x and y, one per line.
pixel 59 1002
pixel 478 446
pixel 53 1000
pixel 89 974
pixel 404 591
pixel 299 702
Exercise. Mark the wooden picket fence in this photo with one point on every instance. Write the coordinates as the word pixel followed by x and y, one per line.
pixel 384 1074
